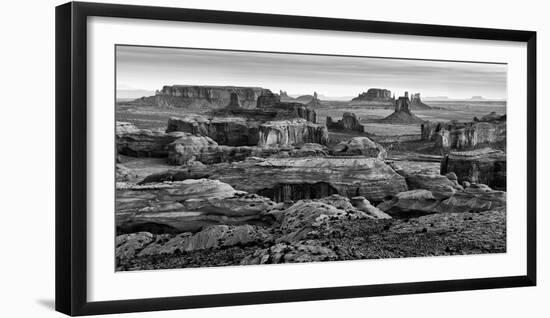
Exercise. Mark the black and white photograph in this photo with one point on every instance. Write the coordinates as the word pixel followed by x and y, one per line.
pixel 229 158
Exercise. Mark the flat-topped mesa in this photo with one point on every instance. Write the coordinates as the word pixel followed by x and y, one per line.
pixel 416 102
pixel 374 94
pixel 349 121
pixel 459 136
pixel 202 97
pixel 269 101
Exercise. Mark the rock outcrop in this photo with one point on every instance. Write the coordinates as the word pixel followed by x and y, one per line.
pixel 420 201
pixel 292 132
pixel 131 141
pixel 487 166
pixel 202 97
pixel 374 95
pixel 459 136
pixel 283 179
pixel 417 104
pixel 178 155
pixel 349 121
pixel 359 146
pixel 402 113
pixel 186 206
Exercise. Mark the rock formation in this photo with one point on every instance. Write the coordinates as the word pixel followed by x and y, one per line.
pixel 178 155
pixel 349 121
pixel 135 142
pixel 185 206
pixel 315 101
pixel 359 146
pixel 402 113
pixel 239 131
pixel 202 97
pixel 291 132
pixel 460 136
pixel 417 104
pixel 420 201
pixel 487 166
pixel 283 179
pixel 374 95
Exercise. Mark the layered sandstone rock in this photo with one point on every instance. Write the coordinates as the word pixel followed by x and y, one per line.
pixel 359 146
pixel 487 166
pixel 349 121
pixel 420 201
pixel 231 131
pixel 453 135
pixel 135 142
pixel 291 132
pixel 283 179
pixel 178 155
pixel 186 206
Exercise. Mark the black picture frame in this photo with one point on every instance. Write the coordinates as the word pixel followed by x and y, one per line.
pixel 71 157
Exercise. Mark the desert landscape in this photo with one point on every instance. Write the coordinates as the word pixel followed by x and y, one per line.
pixel 227 175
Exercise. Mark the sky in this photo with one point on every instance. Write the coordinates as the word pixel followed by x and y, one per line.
pixel 142 70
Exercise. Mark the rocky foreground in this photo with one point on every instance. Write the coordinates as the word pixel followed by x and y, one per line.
pixel 243 186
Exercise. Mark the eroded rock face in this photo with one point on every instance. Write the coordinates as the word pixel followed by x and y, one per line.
pixel 240 131
pixel 128 245
pixel 188 147
pixel 291 132
pixel 420 201
pixel 135 142
pixel 487 166
pixel 462 136
pixel 359 146
pixel 349 121
pixel 232 131
pixel 350 177
pixel 186 206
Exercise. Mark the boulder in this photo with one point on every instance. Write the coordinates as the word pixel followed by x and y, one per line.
pixel 359 146
pixel 188 147
pixel 487 166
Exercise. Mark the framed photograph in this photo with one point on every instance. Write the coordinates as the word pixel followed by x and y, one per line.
pixel 210 158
